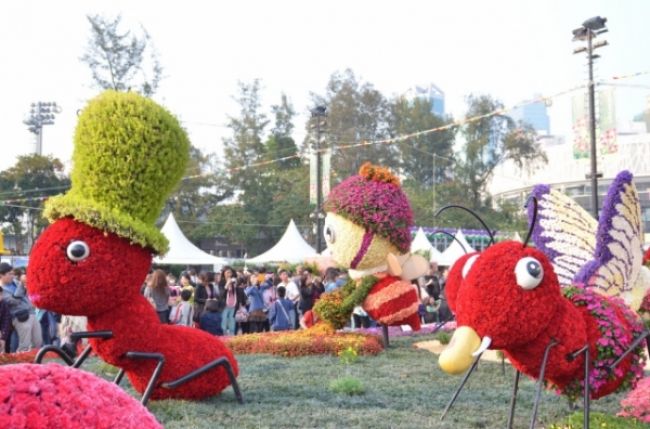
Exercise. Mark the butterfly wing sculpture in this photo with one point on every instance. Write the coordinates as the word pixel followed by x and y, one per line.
pixel 607 255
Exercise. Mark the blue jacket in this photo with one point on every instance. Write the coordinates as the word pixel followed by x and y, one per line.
pixel 211 322
pixel 278 318
pixel 255 296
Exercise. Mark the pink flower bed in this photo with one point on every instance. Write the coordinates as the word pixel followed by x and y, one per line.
pixel 637 403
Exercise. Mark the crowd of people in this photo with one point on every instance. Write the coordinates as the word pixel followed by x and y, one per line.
pixel 228 302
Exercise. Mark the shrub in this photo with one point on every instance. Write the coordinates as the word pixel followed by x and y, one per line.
pixel 637 403
pixel 348 356
pixel 599 420
pixel 443 337
pixel 347 385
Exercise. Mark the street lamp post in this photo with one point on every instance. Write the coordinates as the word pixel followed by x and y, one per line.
pixel 41 113
pixel 590 29
pixel 317 113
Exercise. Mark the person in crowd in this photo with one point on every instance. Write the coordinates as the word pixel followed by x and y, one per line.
pixel 241 313
pixel 211 318
pixel 431 310
pixel 230 305
pixel 5 326
pixel 256 314
pixel 317 288
pixel 69 325
pixel 186 284
pixel 281 313
pixel 193 277
pixel 203 292
pixel 432 283
pixel 22 311
pixel 330 279
pixel 360 317
pixel 183 313
pixel 292 291
pixel 306 294
pixel 158 293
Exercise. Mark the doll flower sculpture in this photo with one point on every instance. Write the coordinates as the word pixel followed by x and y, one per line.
pixel 129 154
pixel 367 229
pixel 576 292
pixel 53 396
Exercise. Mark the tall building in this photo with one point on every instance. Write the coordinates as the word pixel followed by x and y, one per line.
pixel 534 114
pixel 431 93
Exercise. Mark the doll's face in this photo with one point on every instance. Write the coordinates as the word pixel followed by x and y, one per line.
pixel 350 245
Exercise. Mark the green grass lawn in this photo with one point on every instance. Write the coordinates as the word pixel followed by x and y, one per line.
pixel 403 388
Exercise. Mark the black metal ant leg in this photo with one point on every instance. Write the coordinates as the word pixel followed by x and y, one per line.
pixel 384 333
pixel 119 377
pixel 644 336
pixel 156 372
pixel 587 390
pixel 513 400
pixel 540 382
pixel 59 351
pixel 460 387
pixel 75 337
pixel 222 361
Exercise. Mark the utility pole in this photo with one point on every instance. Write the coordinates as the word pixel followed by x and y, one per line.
pixel 41 113
pixel 319 112
pixel 590 29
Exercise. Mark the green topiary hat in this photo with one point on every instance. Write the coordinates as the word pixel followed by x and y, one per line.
pixel 129 154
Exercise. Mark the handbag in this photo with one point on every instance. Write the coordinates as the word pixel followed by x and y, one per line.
pixel 22 315
pixel 241 315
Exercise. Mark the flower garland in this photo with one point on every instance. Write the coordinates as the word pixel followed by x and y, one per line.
pixel 614 340
pixel 336 307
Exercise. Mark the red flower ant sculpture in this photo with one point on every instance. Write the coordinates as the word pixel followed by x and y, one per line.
pixel 509 297
pixel 129 154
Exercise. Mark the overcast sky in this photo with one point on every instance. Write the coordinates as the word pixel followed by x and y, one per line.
pixel 509 49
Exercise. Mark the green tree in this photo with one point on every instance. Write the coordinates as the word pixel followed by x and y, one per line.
pixel 119 60
pixel 356 113
pixel 490 141
pixel 203 186
pixel 418 152
pixel 280 144
pixel 23 189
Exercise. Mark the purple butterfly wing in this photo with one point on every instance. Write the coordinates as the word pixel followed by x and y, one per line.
pixel 618 258
pixel 564 231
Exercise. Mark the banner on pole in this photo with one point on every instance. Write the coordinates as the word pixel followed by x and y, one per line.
pixel 327 158
pixel 312 178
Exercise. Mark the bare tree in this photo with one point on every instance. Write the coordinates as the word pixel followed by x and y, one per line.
pixel 120 60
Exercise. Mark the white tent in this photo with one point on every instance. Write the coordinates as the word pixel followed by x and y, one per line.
pixel 291 248
pixel 421 243
pixel 455 250
pixel 182 251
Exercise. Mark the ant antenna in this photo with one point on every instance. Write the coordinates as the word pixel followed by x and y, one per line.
pixel 473 214
pixel 532 224
pixel 453 237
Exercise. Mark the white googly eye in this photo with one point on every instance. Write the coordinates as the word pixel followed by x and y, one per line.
pixel 529 273
pixel 468 265
pixel 77 251
pixel 330 235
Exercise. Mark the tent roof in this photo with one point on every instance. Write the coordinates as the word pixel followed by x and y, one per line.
pixel 421 242
pixel 181 250
pixel 291 248
pixel 455 250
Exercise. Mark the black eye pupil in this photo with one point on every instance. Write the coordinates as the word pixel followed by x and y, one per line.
pixel 78 251
pixel 533 268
